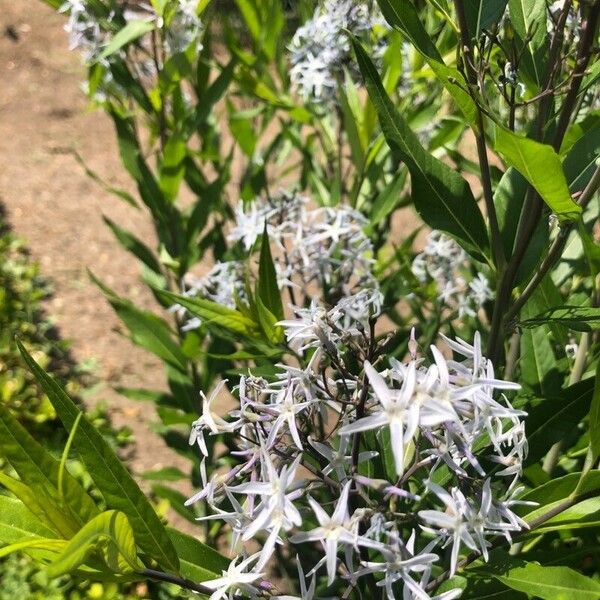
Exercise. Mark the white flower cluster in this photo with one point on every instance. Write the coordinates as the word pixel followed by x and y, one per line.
pixel 442 451
pixel 223 284
pixel 83 27
pixel 89 34
pixel 325 245
pixel 320 49
pixel 444 262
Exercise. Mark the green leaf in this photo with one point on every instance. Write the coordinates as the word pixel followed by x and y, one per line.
pixel 580 162
pixel 482 14
pixel 214 314
pixel 18 523
pixel 554 418
pixel 389 199
pixel 111 532
pixel 42 506
pixel 131 32
pixel 402 15
pixel 199 562
pixel 441 196
pixel 541 167
pixel 539 370
pixel 550 583
pixel 146 329
pixel 267 288
pixel 578 318
pixel 584 515
pixel 594 419
pixel 117 486
pixel 172 166
pixel 38 469
pixel 528 17
pixel 134 245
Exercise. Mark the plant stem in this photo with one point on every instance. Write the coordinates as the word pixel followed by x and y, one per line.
pixel 479 131
pixel 583 58
pixel 175 579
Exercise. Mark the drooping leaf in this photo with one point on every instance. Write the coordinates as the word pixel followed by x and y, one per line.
pixel 131 32
pixel 540 165
pixel 111 532
pixel 117 486
pixel 441 196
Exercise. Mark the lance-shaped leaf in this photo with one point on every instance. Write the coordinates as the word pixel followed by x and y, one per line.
pixel 39 470
pixel 199 562
pixel 578 318
pixel 402 15
pixel 482 14
pixel 441 196
pixel 146 329
pixel 111 477
pixel 594 426
pixel 550 583
pixel 42 506
pixel 18 523
pixel 553 418
pixel 213 314
pixel 131 32
pixel 111 532
pixel 541 167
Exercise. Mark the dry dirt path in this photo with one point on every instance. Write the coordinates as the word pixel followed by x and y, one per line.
pixel 52 203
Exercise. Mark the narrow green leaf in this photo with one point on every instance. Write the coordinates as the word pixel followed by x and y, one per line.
pixel 539 370
pixel 109 531
pixel 18 523
pixel 213 314
pixel 172 167
pixel 38 469
pixel 267 288
pixel 402 15
pixel 482 14
pixel 112 479
pixel 441 196
pixel 578 318
pixel 553 418
pixel 550 583
pixel 199 562
pixel 594 426
pixel 134 245
pixel 541 166
pixel 131 32
pixel 42 506
pixel 147 330
pixel 528 17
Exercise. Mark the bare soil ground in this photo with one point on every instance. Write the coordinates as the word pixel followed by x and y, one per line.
pixel 58 209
